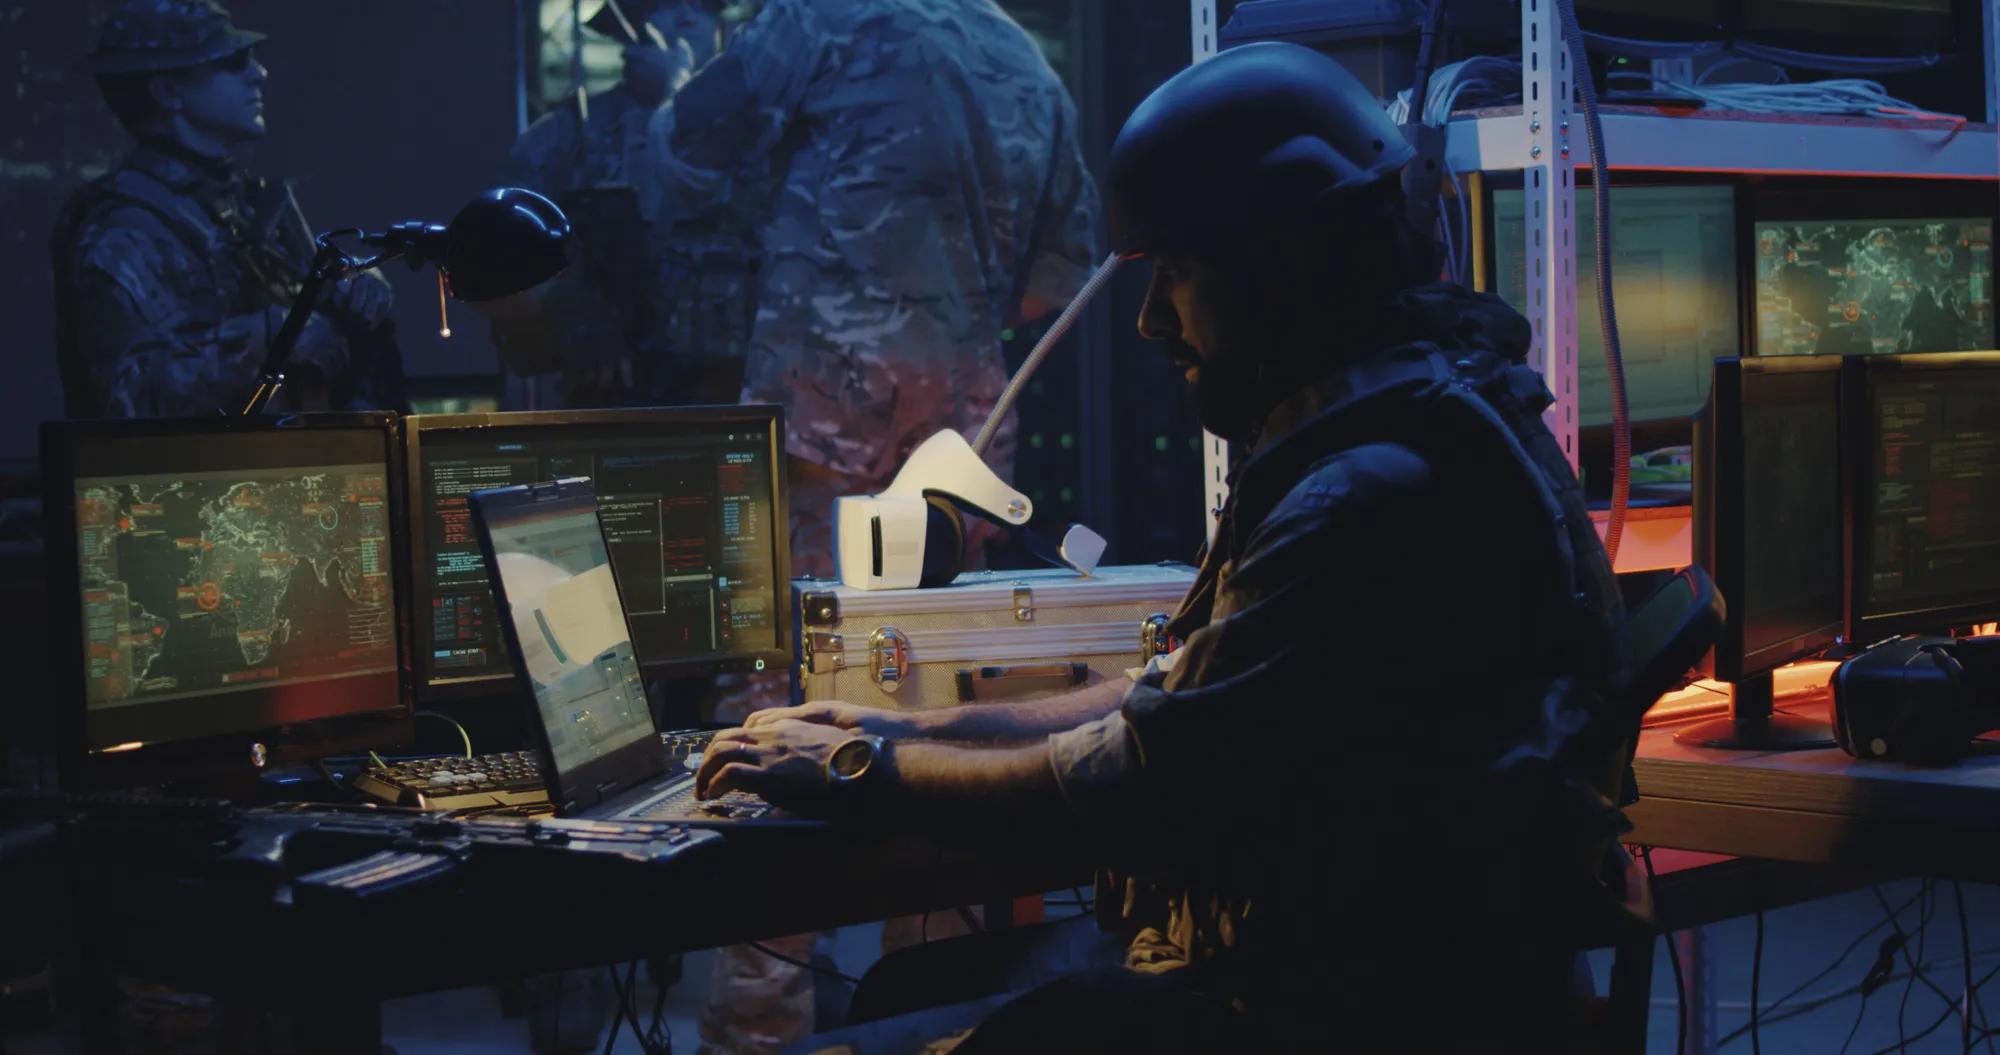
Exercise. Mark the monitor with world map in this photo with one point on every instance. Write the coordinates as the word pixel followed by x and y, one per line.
pixel 222 577
pixel 1873 271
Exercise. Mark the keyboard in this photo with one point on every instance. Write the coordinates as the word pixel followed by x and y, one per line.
pixel 508 778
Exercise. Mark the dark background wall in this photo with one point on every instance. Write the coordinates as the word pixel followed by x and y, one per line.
pixel 379 110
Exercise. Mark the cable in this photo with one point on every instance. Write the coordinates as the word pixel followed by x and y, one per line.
pixel 1902 1043
pixel 379 764
pixel 617 1020
pixel 1839 96
pixel 813 967
pixel 1607 313
pixel 1903 1008
pixel 1756 957
pixel 1965 949
pixel 1673 960
pixel 462 734
pixel 1043 347
pixel 1817 1002
pixel 1856 1027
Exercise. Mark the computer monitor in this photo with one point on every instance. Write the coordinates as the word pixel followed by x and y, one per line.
pixel 1768 527
pixel 216 578
pixel 1872 271
pixel 1674 275
pixel 1926 511
pixel 693 502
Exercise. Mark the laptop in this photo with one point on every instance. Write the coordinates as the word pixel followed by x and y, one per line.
pixel 602 756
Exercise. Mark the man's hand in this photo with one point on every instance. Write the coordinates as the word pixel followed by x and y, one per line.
pixel 784 761
pixel 366 299
pixel 854 717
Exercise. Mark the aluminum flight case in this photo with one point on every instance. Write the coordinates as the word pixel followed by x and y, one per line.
pixel 987 637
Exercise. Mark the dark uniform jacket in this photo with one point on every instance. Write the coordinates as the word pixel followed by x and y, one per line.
pixel 171 273
pixel 1404 585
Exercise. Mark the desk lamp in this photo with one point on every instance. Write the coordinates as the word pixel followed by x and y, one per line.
pixel 502 242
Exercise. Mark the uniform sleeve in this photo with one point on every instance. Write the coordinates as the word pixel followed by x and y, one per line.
pixel 736 110
pixel 1066 243
pixel 149 353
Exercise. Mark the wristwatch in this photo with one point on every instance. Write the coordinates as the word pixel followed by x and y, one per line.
pixel 850 765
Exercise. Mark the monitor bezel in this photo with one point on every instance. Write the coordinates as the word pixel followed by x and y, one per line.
pixel 502 685
pixel 83 759
pixel 1779 199
pixel 1720 544
pixel 1856 390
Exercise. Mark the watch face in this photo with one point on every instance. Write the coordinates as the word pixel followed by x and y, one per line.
pixel 852 758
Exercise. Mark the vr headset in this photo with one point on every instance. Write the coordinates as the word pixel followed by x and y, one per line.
pixel 913 533
pixel 1920 700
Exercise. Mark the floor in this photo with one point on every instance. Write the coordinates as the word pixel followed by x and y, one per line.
pixel 1802 953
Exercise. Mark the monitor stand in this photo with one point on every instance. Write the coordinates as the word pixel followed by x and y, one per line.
pixel 1753 726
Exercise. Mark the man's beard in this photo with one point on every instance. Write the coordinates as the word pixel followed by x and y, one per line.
pixel 1228 401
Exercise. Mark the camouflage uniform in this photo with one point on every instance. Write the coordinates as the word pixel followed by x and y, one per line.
pixel 902 236
pixel 174 269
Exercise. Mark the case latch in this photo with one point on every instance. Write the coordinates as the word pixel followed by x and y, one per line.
pixel 1154 641
pixel 1024 603
pixel 819 608
pixel 825 653
pixel 888 658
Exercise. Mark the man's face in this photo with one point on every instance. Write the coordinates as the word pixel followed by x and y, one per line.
pixel 1200 313
pixel 224 98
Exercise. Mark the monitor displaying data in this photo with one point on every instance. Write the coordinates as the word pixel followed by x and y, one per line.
pixel 575 648
pixel 231 579
pixel 1929 497
pixel 689 503
pixel 1674 276
pixel 1862 287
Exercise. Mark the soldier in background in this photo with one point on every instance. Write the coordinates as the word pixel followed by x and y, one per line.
pixel 604 323
pixel 175 270
pixel 916 186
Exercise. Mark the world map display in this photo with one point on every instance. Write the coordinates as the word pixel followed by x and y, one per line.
pixel 195 583
pixel 1874 286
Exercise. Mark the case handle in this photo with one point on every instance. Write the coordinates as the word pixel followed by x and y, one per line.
pixel 988 683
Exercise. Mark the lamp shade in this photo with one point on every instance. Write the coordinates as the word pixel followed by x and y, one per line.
pixel 502 242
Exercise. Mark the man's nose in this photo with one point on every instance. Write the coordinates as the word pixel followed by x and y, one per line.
pixel 1157 320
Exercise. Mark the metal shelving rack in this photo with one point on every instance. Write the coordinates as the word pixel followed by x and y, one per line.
pixel 1541 140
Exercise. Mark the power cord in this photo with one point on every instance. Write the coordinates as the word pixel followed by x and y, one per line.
pixel 1756 957
pixel 1673 959
pixel 1883 967
pixel 462 734
pixel 1607 313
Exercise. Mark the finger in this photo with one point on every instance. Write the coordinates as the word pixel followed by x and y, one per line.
pixel 776 714
pixel 736 776
pixel 738 735
pixel 715 758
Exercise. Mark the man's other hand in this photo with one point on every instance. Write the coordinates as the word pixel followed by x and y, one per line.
pixel 854 717
pixel 366 299
pixel 783 761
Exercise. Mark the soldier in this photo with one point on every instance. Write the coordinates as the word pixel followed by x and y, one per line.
pixel 607 318
pixel 1393 443
pixel 174 270
pixel 921 190
pixel 912 176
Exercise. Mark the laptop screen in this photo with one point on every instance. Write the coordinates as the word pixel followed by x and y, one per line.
pixel 556 575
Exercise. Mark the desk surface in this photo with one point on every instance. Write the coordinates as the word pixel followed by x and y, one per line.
pixel 1820 807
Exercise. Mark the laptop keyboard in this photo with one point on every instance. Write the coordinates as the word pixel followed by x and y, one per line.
pixel 681 805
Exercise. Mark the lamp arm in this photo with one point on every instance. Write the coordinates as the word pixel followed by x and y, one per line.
pixel 329 264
